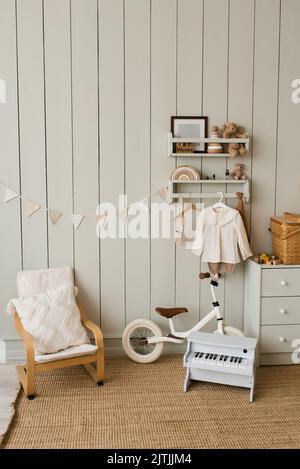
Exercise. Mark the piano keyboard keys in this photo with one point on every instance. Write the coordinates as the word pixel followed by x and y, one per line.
pixel 208 360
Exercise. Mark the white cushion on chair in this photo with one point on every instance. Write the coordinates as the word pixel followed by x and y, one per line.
pixel 34 282
pixel 79 350
pixel 52 319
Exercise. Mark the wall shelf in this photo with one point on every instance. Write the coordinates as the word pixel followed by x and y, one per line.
pixel 174 195
pixel 201 155
pixel 171 140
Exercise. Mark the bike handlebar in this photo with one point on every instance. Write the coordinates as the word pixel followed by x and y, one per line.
pixel 204 275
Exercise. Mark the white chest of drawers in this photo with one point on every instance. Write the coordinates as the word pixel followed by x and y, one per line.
pixel 272 310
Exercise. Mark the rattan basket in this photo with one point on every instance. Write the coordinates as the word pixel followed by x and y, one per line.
pixel 286 238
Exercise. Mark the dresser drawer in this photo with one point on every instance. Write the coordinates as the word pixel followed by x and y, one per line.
pixel 280 310
pixel 281 282
pixel 278 339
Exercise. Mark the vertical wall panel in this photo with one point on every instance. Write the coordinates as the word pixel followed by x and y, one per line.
pixel 111 72
pixel 32 129
pixel 137 149
pixel 10 227
pixel 264 122
pixel 155 60
pixel 240 90
pixel 189 102
pixel 215 87
pixel 163 105
pixel 288 166
pixel 59 127
pixel 85 149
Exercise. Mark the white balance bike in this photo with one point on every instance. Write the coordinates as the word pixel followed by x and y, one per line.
pixel 143 340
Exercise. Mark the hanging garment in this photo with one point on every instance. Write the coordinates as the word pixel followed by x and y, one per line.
pixel 220 267
pixel 183 222
pixel 220 236
pixel 240 208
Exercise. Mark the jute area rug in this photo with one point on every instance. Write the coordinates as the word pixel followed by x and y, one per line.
pixel 143 406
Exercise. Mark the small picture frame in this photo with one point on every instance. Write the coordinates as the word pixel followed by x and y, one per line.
pixel 190 127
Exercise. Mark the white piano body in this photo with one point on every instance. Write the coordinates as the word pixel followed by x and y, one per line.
pixel 221 359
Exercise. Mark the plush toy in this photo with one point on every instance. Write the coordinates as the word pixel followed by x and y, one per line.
pixel 238 172
pixel 231 130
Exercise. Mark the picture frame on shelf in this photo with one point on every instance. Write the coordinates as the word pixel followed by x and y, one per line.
pixel 189 127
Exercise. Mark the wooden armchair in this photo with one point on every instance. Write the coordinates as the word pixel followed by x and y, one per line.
pixel 88 355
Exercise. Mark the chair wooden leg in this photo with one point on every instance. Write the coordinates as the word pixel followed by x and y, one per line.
pixel 27 379
pixel 96 372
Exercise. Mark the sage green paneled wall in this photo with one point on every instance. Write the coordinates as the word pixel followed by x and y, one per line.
pixel 91 86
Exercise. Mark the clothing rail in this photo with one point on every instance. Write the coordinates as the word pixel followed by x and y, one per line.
pixel 174 195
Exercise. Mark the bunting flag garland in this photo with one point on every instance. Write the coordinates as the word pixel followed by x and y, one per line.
pixel 30 207
pixel 100 220
pixel 143 204
pixel 163 192
pixel 54 216
pixel 77 220
pixel 10 194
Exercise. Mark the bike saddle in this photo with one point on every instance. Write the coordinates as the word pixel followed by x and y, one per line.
pixel 170 312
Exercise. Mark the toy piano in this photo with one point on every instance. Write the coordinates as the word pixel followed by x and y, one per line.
pixel 220 359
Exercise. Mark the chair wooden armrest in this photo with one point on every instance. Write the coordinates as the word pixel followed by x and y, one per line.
pixel 27 338
pixel 96 373
pixel 97 333
pixel 26 373
pixel 91 326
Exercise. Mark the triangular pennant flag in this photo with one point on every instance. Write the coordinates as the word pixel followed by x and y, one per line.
pixel 100 219
pixel 143 204
pixel 54 216
pixel 10 195
pixel 76 220
pixel 30 207
pixel 163 192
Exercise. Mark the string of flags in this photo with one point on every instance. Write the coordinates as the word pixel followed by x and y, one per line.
pixel 31 207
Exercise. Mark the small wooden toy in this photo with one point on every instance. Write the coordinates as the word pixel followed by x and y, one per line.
pixel 184 148
pixel 274 260
pixel 215 147
pixel 262 258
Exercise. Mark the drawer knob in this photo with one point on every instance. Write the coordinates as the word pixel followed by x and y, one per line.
pixel 282 311
pixel 282 339
pixel 283 283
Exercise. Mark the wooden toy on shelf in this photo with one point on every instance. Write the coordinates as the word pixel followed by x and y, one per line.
pixel 274 260
pixel 184 148
pixel 262 258
pixel 215 147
